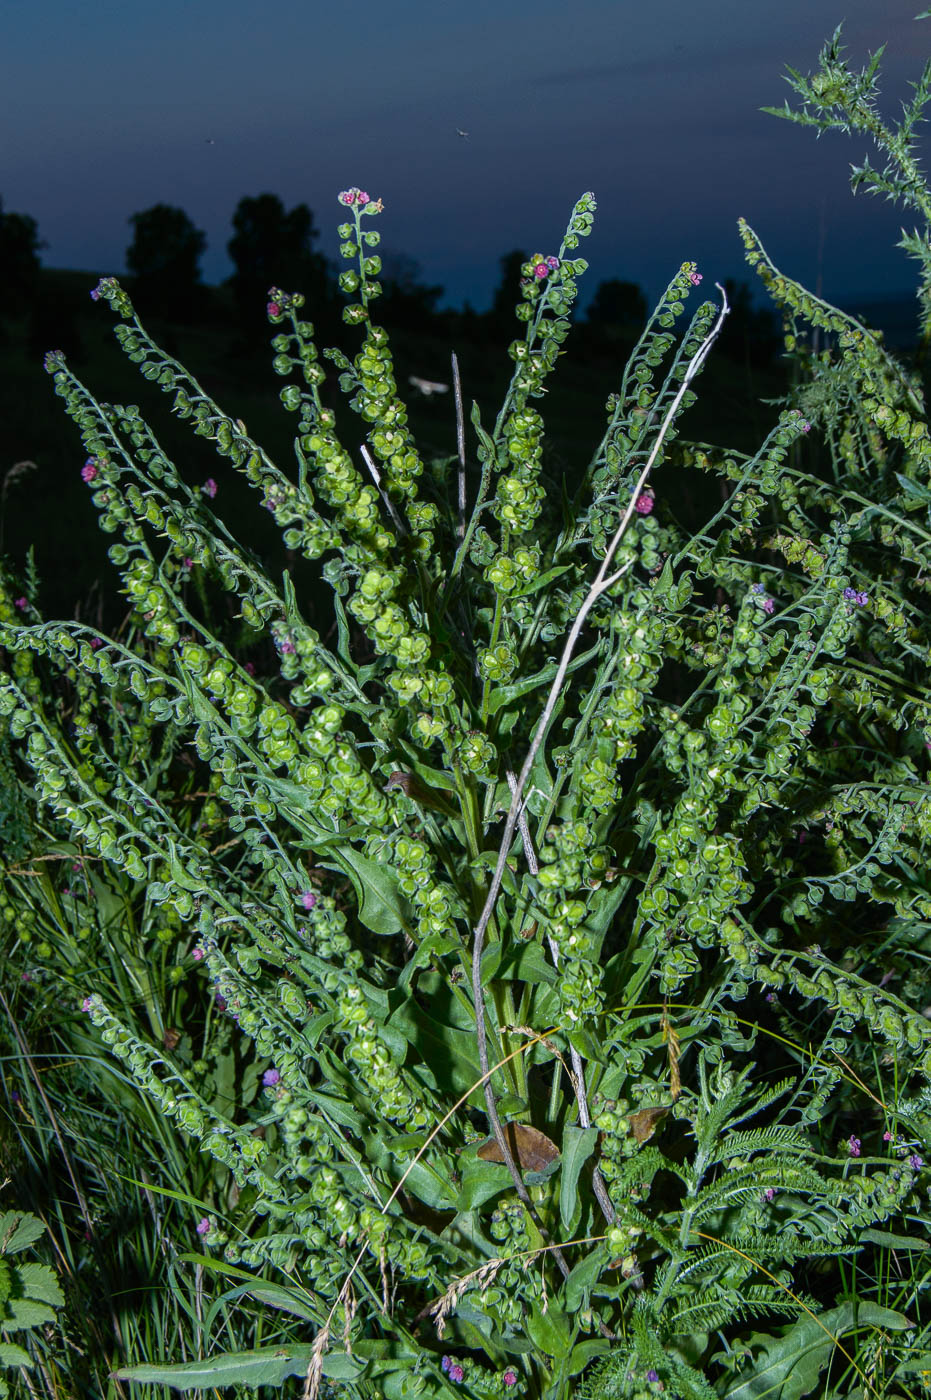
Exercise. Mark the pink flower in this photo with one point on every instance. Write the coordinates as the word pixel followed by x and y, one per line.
pixel 187 562
pixel 89 471
pixel 769 1194
pixel 270 1078
pixel 887 1136
pixel 86 1004
pixel 362 197
pixel 552 264
pixel 273 308
pixel 203 1227
pixel 806 427
pixel 308 899
pixel 198 954
pixel 210 487
pixel 96 643
pixel 456 1373
pixel 768 605
pixel 645 503
pixel 694 278
pixel 541 270
pixel 510 1378
pixel 23 604
pixel 249 668
pixel 347 196
pixel 287 647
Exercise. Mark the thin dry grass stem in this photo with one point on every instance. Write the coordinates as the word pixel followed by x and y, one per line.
pixel 794 1296
pixel 460 445
pixel 604 580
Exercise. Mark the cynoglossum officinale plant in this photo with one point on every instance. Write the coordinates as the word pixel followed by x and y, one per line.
pixel 565 877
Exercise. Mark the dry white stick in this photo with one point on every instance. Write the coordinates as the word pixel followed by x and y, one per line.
pixel 376 477
pixel 603 581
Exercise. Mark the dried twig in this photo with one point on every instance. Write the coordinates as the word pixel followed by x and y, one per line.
pixel 460 444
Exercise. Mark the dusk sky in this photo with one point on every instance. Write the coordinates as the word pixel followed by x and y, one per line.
pixel 113 106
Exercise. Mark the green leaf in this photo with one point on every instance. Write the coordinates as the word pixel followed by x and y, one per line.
pixel 480 1182
pixel 39 1283
pixel 585 1352
pixel 584 1277
pixel 18 1230
pixel 548 1331
pixel 272 1294
pixel 12 1355
pixel 578 1144
pixel 888 1241
pixel 505 694
pixel 22 1312
pixel 380 906
pixel 265 1366
pixel 663 584
pixel 790 1365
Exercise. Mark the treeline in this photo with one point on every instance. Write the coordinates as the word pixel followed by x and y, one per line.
pixel 272 245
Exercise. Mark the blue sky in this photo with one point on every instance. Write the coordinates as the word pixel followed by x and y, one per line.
pixel 109 108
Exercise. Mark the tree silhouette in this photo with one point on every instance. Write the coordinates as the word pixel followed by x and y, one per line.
pixel 500 319
pixel 272 247
pixel 407 303
pixel 19 258
pixel 164 257
pixel 617 304
pixel 748 334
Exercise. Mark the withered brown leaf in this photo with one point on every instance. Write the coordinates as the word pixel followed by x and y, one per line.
pixel 644 1124
pixel 531 1148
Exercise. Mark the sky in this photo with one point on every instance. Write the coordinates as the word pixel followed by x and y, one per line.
pixel 109 108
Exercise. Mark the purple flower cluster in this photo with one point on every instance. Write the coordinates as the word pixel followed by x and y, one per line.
pixel 452 1369
pixel 544 266
pixel 852 596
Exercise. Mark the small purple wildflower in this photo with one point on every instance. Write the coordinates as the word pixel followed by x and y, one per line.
pixel 806 427
pixel 510 1378
pixel 915 1162
pixel 552 263
pixel 447 1360
pixel 96 643
pixel 695 278
pixel 652 1376
pixel 456 1374
pixel 89 471
pixel 95 294
pixel 14 1096
pixel 287 647
pixel 645 503
pixel 270 1078
pixel 203 1226
pixel 887 1136
pixel 86 1004
pixel 758 588
pixel 853 596
pixel 853 1145
pixel 540 271
pixel 21 603
pixel 768 605
pixel 220 1002
pixel 187 562
pixel 273 308
pixel 308 899
pixel 769 1194
pixel 249 668
pixel 209 487
pixel 198 954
